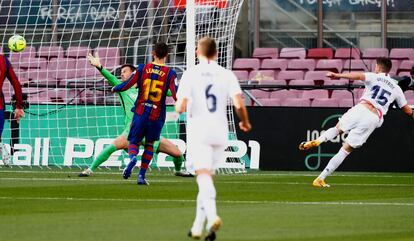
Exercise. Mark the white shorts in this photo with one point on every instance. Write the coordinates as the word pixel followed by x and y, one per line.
pixel 358 122
pixel 204 156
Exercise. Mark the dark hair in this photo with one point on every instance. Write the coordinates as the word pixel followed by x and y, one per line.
pixel 412 71
pixel 208 47
pixel 385 64
pixel 130 66
pixel 161 50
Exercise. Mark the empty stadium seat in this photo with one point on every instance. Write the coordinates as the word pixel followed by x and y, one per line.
pixel 284 94
pixel 409 94
pixel 77 52
pixel 62 68
pixel 295 102
pixel 301 64
pixel 84 70
pixel 293 53
pixel 334 65
pixel 336 82
pixel 325 102
pixel 346 103
pixel 246 64
pixel 16 58
pixel 320 53
pixel 260 93
pixel 270 102
pixel 110 56
pixel 347 53
pixel 374 53
pixel 50 52
pixel 265 53
pixel 301 82
pixel 342 94
pixel 357 65
pixel 290 74
pixel 402 53
pixel 315 94
pixel 242 75
pixel 272 82
pixel 33 63
pixel 405 66
pixel 316 75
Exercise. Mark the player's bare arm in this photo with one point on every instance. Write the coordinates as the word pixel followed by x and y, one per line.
pixel 408 111
pixel 180 105
pixel 352 75
pixel 241 112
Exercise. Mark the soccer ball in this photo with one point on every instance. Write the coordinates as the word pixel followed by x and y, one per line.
pixel 17 43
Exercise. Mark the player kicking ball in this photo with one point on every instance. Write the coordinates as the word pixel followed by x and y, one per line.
pixel 361 120
pixel 204 91
pixel 127 99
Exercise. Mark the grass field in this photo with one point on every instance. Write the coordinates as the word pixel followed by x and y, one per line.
pixel 57 205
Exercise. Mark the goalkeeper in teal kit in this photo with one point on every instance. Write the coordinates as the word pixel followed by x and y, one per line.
pixel 127 99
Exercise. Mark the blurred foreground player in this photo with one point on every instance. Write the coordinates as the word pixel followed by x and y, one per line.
pixel 361 120
pixel 204 91
pixel 6 70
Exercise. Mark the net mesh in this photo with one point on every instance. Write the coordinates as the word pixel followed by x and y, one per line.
pixel 72 112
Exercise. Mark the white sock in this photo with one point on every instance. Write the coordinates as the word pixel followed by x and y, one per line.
pixel 200 217
pixel 334 163
pixel 328 135
pixel 207 193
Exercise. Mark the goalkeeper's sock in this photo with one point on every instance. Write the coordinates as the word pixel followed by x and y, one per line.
pixel 207 191
pixel 328 135
pixel 146 158
pixel 334 163
pixel 197 228
pixel 178 162
pixel 103 156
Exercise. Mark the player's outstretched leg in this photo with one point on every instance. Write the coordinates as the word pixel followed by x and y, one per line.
pixel 145 161
pixel 326 136
pixel 101 158
pixel 330 168
pixel 167 147
pixel 133 152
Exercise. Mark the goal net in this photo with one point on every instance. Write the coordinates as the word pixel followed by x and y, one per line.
pixel 72 113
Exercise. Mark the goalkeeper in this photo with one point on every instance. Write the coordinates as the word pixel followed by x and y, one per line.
pixel 127 99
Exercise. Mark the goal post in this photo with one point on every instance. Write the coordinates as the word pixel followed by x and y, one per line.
pixel 72 113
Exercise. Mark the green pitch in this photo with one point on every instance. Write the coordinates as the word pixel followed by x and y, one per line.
pixel 57 205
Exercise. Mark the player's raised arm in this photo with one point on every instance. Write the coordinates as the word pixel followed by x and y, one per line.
pixel 11 75
pixel 352 75
pixel 95 61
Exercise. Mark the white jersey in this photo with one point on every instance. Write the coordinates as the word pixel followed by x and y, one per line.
pixel 207 86
pixel 381 90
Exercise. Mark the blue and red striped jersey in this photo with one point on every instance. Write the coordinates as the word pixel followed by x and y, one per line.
pixel 6 70
pixel 153 81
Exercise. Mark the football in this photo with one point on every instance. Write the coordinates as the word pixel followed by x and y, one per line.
pixel 17 43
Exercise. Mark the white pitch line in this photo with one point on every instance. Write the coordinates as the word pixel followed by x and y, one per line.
pixel 182 181
pixel 193 201
pixel 156 173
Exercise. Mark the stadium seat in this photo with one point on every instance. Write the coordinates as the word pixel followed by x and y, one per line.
pixel 334 65
pixel 38 74
pixel 347 53
pixel 242 75
pixel 409 94
pixel 274 64
pixel 284 94
pixel 260 94
pixel 402 53
pixel 404 73
pixel 270 102
pixel 260 75
pixel 110 57
pixel 405 66
pixel 357 65
pixel 317 76
pixel 315 94
pixel 342 94
pixel 301 64
pixel 62 68
pixel 295 102
pixel 301 82
pixel 336 82
pixel 374 53
pixel 265 53
pixel 77 52
pixel 51 52
pixel 394 68
pixel 16 58
pixel 346 103
pixel 290 74
pixel 33 63
pixel 320 53
pixel 84 70
pixel 325 102
pixel 293 53
pixel 22 76
pixel 246 64
pixel 359 92
pixel 46 82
